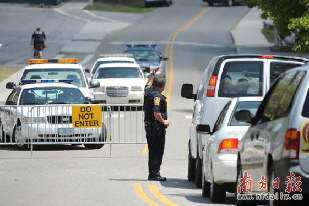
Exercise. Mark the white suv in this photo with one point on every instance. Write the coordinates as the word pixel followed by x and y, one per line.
pixel 226 77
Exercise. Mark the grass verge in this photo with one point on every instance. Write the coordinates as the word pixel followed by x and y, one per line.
pixel 125 9
pixel 5 72
pixel 269 34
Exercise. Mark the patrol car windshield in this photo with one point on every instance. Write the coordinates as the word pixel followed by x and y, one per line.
pixel 118 72
pixel 97 64
pixel 145 55
pixel 51 95
pixel 74 74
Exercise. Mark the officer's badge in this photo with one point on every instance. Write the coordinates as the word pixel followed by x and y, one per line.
pixel 157 101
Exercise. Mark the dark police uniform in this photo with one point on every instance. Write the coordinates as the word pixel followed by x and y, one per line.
pixel 38 37
pixel 154 101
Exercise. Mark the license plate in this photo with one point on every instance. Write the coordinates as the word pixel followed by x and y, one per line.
pixel 65 131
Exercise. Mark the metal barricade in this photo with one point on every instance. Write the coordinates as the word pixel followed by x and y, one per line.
pixel 90 125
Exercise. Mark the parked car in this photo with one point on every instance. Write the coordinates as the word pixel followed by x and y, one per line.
pixel 228 2
pixel 108 59
pixel 274 152
pixel 40 111
pixel 57 69
pixel 119 84
pixel 226 77
pixel 149 57
pixel 220 151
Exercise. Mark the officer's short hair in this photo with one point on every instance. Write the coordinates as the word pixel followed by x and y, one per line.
pixel 159 82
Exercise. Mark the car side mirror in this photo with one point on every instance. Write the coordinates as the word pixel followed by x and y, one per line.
pixel 10 85
pixel 203 128
pixel 94 84
pixel 87 70
pixel 243 116
pixel 187 91
pixel 165 58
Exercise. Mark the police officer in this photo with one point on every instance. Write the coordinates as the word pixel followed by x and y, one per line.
pixel 155 109
pixel 38 39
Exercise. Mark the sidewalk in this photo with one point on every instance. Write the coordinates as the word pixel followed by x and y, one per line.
pixel 90 36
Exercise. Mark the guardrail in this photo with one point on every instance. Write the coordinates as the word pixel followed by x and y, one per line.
pixel 90 125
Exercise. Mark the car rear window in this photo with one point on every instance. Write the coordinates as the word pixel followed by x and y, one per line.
pixel 241 79
pixel 252 106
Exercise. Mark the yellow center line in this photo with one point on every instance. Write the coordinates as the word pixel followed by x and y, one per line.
pixel 170 65
pixel 169 50
pixel 139 191
pixel 154 190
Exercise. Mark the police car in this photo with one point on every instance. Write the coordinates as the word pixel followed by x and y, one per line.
pixel 110 58
pixel 149 57
pixel 57 69
pixel 41 111
pixel 120 83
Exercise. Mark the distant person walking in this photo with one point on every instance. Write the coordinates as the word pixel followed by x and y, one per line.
pixel 38 39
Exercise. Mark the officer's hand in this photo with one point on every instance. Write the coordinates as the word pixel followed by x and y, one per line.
pixel 166 123
pixel 155 70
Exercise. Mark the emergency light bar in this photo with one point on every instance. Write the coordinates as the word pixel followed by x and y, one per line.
pixel 116 55
pixel 31 81
pixel 44 61
pixel 141 45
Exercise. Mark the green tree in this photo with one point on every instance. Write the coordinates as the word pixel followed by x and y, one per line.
pixel 288 16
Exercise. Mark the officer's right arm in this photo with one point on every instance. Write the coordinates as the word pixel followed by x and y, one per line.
pixel 150 79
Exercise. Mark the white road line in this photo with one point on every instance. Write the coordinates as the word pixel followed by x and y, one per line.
pixel 189 117
pixel 99 17
pixel 69 15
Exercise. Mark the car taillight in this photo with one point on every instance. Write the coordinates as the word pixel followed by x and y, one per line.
pixel 291 144
pixel 211 88
pixel 227 144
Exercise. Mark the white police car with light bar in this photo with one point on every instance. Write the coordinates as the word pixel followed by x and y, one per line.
pixel 40 69
pixel 40 110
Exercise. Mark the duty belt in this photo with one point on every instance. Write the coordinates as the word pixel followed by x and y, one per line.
pixel 149 124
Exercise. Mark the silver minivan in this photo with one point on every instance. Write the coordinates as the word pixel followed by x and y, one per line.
pixel 224 78
pixel 274 152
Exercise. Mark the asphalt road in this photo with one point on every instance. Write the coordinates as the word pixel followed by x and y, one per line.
pixel 190 34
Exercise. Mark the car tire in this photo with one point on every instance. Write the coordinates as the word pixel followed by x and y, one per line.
pixel 210 3
pixel 272 191
pixel 20 144
pixel 217 192
pixel 198 172
pixel 191 166
pixel 230 3
pixel 205 188
pixel 101 139
pixel 2 136
pixel 239 202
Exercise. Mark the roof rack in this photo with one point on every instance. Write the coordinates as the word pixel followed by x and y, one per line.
pixel 116 55
pixel 45 61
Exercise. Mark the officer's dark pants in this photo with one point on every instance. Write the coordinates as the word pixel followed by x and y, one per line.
pixel 156 142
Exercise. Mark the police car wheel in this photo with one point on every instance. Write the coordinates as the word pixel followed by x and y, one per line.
pixel 93 146
pixel 20 144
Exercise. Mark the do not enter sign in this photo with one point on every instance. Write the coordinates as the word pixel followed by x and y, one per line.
pixel 86 116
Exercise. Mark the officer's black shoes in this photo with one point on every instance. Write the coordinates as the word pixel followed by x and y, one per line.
pixel 153 177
